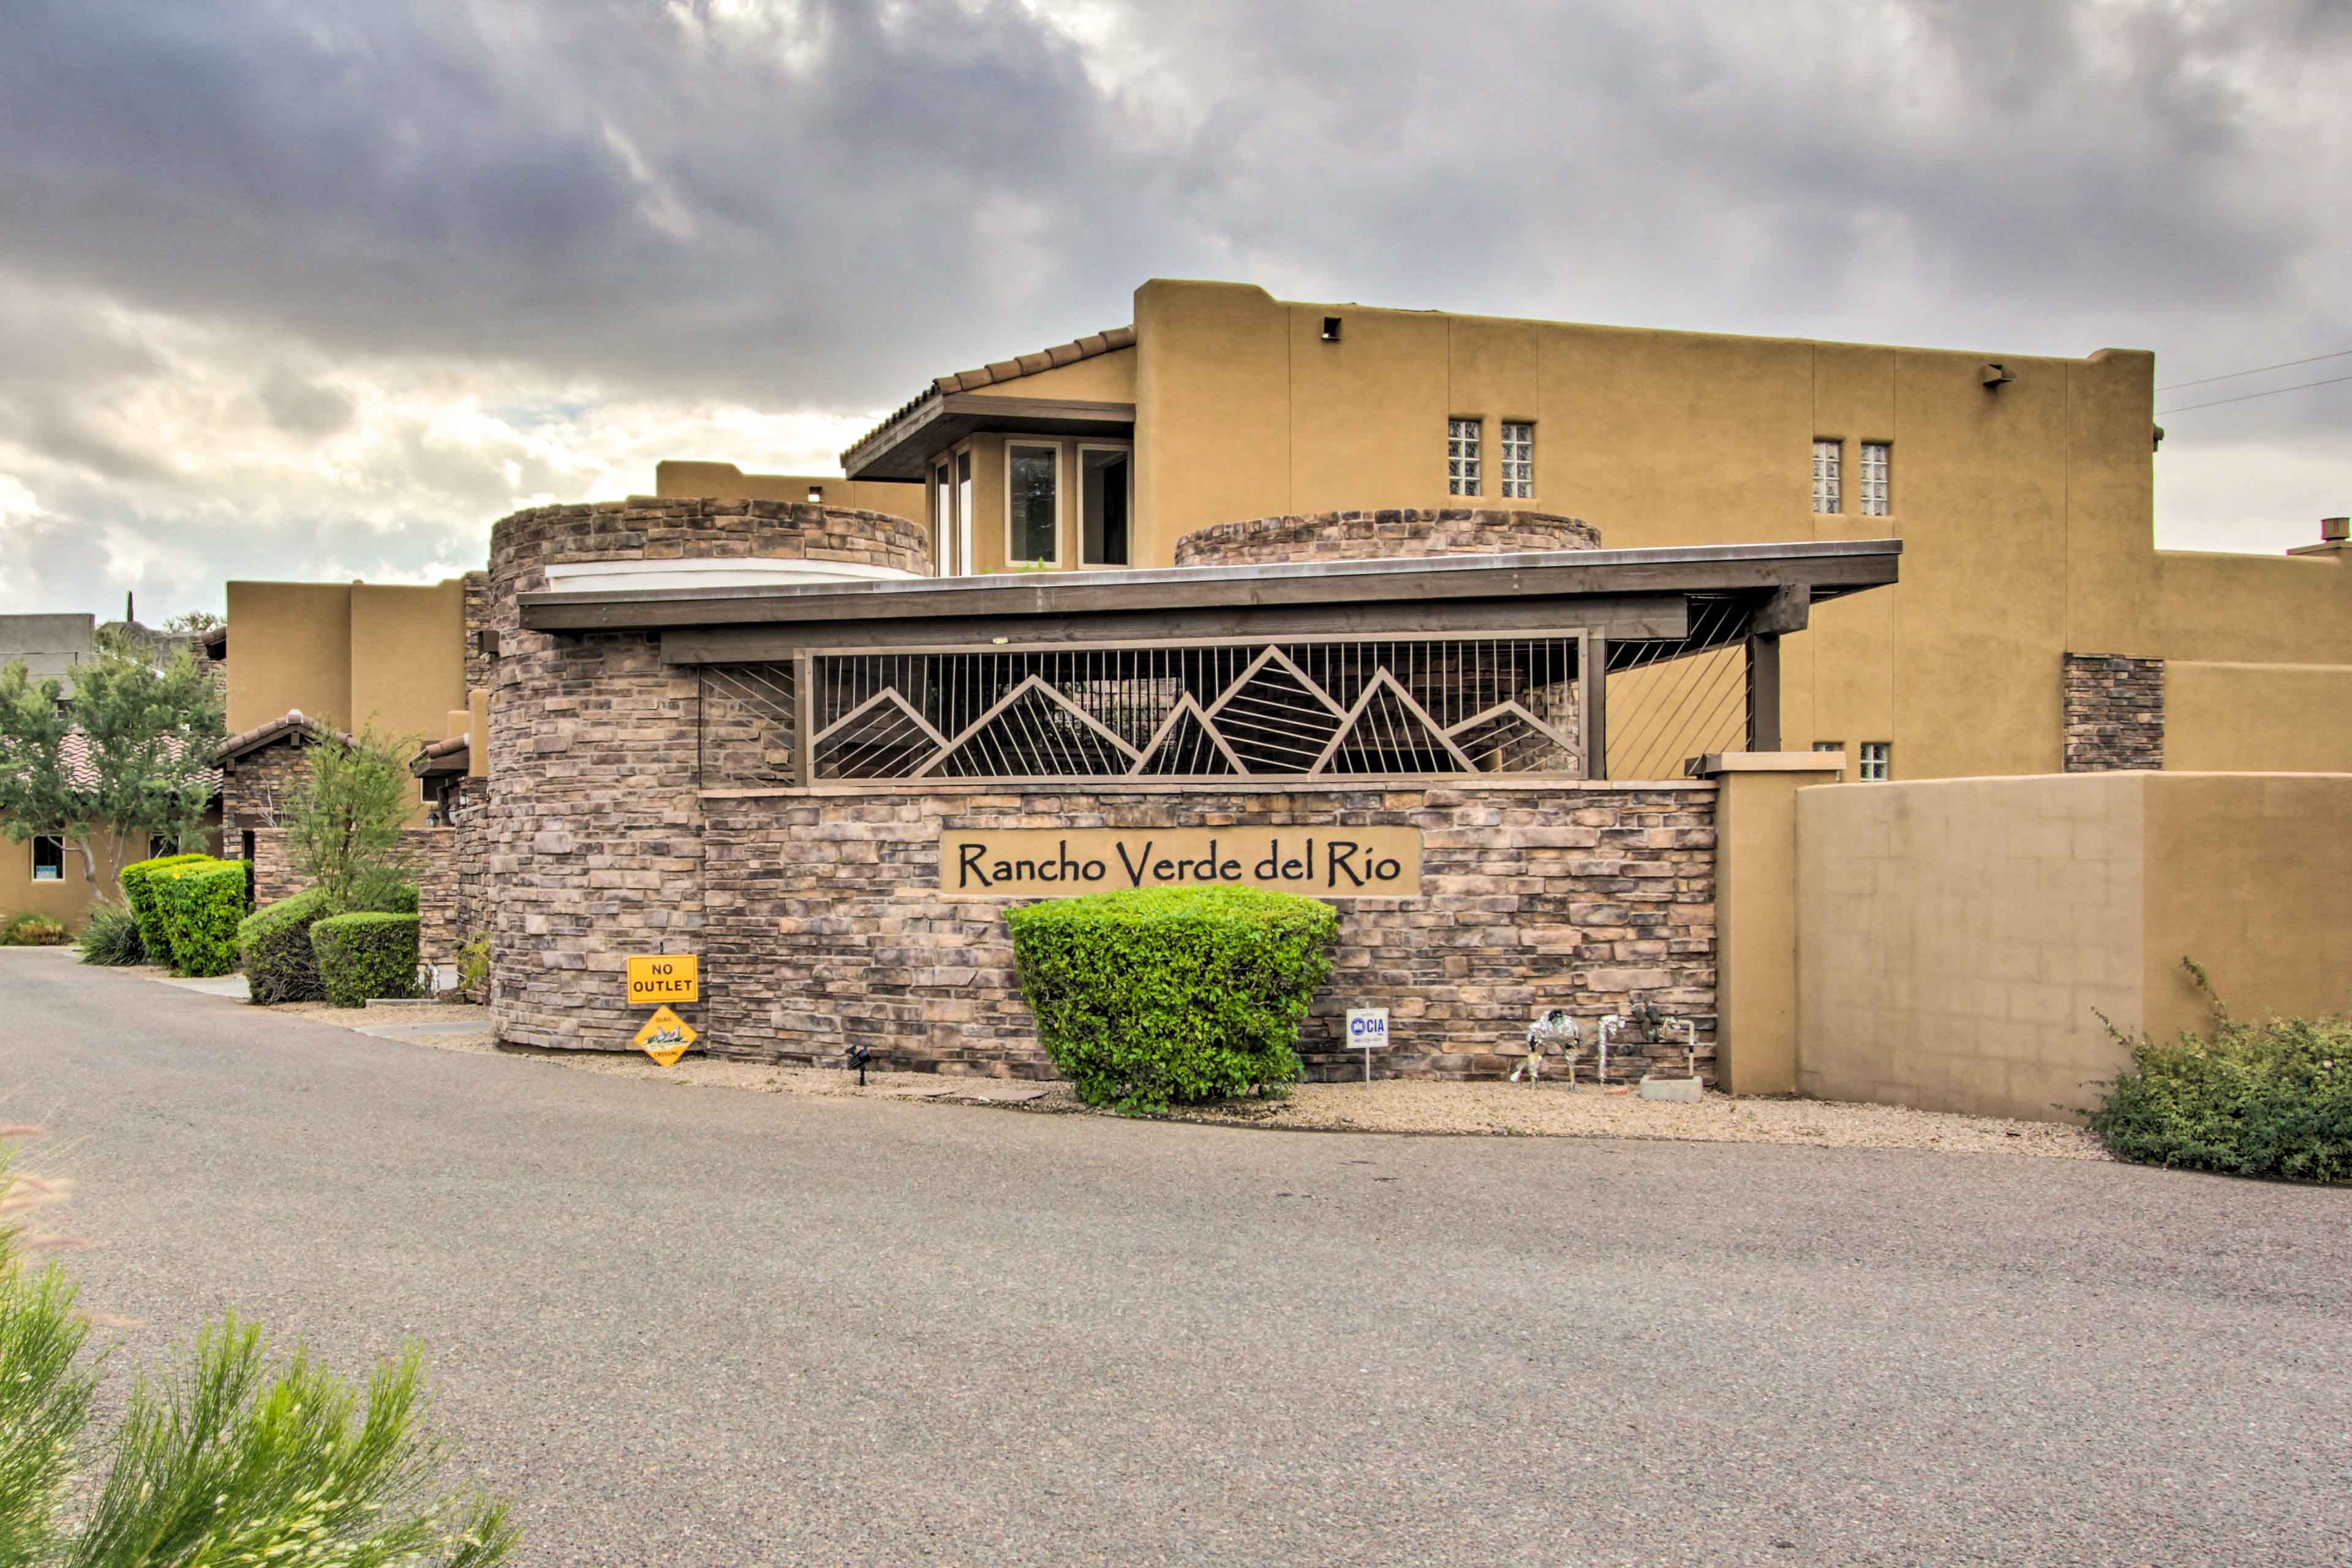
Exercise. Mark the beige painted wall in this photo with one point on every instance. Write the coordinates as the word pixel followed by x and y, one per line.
pixel 67 902
pixel 289 647
pixel 682 480
pixel 2285 718
pixel 1106 378
pixel 1957 940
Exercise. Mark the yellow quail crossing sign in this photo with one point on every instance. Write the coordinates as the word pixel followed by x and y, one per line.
pixel 665 1036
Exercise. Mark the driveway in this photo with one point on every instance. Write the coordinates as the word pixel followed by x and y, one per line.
pixel 693 1326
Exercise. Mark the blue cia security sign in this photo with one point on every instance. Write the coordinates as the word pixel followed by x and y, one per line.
pixel 1368 1031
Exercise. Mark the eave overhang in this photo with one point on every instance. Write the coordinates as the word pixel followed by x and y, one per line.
pixel 902 448
pixel 1633 594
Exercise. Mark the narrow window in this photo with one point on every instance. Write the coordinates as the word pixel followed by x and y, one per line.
pixel 1103 497
pixel 943 524
pixel 1877 459
pixel 1518 458
pixel 1828 458
pixel 160 845
pixel 964 563
pixel 48 857
pixel 1462 457
pixel 1032 508
pixel 1877 761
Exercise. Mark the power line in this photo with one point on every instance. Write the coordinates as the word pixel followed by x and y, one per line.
pixel 2282 365
pixel 2244 397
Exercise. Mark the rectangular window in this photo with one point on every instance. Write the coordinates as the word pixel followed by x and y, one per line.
pixel 964 563
pixel 944 522
pixel 1102 498
pixel 1518 458
pixel 1462 457
pixel 1877 761
pixel 1829 456
pixel 160 845
pixel 48 857
pixel 1032 504
pixel 1877 459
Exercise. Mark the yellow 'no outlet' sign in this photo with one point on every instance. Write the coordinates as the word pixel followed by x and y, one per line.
pixel 663 977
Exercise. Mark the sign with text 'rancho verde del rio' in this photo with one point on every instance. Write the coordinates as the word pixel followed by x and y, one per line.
pixel 1378 862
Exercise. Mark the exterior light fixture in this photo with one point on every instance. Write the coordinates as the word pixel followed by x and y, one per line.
pixel 1331 328
pixel 1994 376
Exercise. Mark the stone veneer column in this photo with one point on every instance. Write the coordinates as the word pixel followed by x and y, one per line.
pixel 593 829
pixel 2114 712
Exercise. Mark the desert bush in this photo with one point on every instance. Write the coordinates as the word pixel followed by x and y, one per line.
pixel 202 903
pixel 365 955
pixel 275 951
pixel 1163 996
pixel 138 880
pixel 240 1457
pixel 2273 1099
pixel 29 929
pixel 111 935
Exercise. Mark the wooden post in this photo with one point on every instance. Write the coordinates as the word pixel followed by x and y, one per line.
pixel 804 719
pixel 1592 703
pixel 1764 693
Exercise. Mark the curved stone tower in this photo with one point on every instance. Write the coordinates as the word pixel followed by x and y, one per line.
pixel 1382 535
pixel 594 829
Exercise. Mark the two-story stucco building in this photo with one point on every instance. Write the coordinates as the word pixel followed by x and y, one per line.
pixel 2022 487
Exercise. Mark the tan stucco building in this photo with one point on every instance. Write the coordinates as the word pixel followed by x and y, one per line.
pixel 2022 487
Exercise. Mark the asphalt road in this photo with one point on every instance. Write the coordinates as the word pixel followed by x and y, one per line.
pixel 704 1326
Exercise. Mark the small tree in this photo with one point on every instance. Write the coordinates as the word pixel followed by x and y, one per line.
pixel 343 824
pixel 129 754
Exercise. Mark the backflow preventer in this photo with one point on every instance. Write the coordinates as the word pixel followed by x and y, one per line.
pixel 1642 1021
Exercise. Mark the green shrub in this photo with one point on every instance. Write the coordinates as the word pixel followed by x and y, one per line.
pixel 30 929
pixel 365 955
pixel 2267 1100
pixel 274 948
pixel 403 900
pixel 201 904
pixel 1163 996
pixel 111 935
pixel 137 889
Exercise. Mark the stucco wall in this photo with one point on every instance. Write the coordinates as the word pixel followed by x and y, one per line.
pixel 68 898
pixel 676 481
pixel 2284 717
pixel 1958 940
pixel 289 647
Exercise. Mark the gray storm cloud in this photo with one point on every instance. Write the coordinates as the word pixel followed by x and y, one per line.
pixel 321 290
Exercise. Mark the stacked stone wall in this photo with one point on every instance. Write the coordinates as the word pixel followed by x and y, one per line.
pixel 1366 535
pixel 2114 712
pixel 593 828
pixel 473 888
pixel 825 928
pixel 257 786
pixel 477 625
pixel 273 873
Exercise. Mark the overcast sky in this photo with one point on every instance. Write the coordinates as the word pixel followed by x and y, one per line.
pixel 310 290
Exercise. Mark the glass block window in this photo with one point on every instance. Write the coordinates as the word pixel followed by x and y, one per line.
pixel 1877 761
pixel 1877 458
pixel 1462 457
pixel 1032 509
pixel 1518 458
pixel 1829 458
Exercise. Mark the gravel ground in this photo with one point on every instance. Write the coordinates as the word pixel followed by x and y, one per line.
pixel 1548 1109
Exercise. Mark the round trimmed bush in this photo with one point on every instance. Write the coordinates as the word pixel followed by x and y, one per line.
pixel 365 955
pixel 1162 996
pixel 275 949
